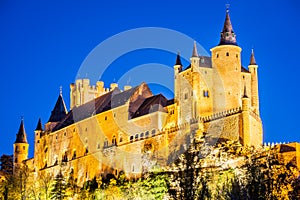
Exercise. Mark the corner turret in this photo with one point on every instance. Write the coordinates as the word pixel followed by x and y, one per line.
pixel 254 83
pixel 20 147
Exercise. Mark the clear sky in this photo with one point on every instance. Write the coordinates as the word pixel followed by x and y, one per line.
pixel 43 43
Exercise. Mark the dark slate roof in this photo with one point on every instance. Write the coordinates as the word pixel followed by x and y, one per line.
pixel 252 59
pixel 286 148
pixel 228 36
pixel 170 102
pixel 39 126
pixel 195 52
pixel 205 61
pixel 59 111
pixel 103 103
pixel 152 104
pixel 178 60
pixel 243 69
pixel 21 135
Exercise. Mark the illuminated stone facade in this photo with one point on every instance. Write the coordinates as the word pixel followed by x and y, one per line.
pixel 130 130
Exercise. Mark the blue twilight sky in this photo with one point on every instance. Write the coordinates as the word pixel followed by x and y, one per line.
pixel 43 43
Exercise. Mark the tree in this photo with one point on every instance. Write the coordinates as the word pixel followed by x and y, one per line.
pixel 59 187
pixel 6 163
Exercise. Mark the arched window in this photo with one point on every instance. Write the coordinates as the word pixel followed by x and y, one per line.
pixel 114 140
pixel 153 132
pixel 227 53
pixel 131 138
pixel 105 142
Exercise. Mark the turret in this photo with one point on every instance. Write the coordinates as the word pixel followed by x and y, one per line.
pixel 246 118
pixel 20 147
pixel 195 57
pixel 254 83
pixel 57 114
pixel 226 63
pixel 38 132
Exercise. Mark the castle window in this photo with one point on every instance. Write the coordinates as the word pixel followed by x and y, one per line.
pixel 192 93
pixel 227 34
pixel 65 157
pixel 105 142
pixel 205 93
pixel 202 60
pixel 142 135
pixel 74 130
pixel 237 56
pixel 23 147
pixel 86 129
pixel 136 137
pixel 132 168
pixel 121 139
pixel 153 132
pixel 114 140
pixel 86 151
pixel 147 134
pixel 56 137
pixel 65 134
pixel 131 138
pixel 16 160
pixel 98 146
pixel 243 77
pixel 185 95
pixel 227 53
pixel 105 118
pixel 74 154
pixel 46 149
pixel 217 55
pixel 17 149
pixel 114 114
pixel 38 141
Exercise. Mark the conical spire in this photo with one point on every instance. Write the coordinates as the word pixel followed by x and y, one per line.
pixel 178 59
pixel 39 126
pixel 228 36
pixel 21 135
pixel 59 111
pixel 252 58
pixel 195 52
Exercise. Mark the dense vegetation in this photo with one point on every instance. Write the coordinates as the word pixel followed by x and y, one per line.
pixel 223 171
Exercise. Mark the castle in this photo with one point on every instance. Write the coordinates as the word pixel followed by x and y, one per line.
pixel 113 130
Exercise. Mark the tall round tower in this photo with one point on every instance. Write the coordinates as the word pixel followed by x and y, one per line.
pixel 226 62
pixel 20 147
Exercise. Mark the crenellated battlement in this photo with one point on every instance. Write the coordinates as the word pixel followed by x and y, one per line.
pixel 82 91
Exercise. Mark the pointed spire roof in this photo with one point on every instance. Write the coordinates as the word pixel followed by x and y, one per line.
pixel 228 36
pixel 59 111
pixel 195 52
pixel 178 59
pixel 21 135
pixel 252 58
pixel 39 126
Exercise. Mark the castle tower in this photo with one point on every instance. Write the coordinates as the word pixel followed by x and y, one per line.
pixel 38 134
pixel 177 70
pixel 195 58
pixel 226 63
pixel 254 83
pixel 246 118
pixel 57 114
pixel 20 147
